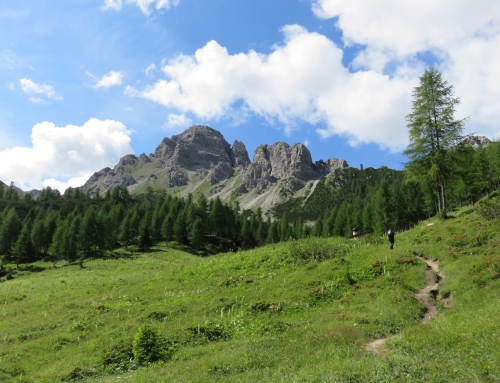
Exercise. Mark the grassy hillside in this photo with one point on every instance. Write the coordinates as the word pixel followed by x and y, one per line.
pixel 293 312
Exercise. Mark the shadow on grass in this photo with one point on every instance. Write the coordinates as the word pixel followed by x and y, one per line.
pixel 32 268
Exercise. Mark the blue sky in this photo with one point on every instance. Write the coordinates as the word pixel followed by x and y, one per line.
pixel 84 82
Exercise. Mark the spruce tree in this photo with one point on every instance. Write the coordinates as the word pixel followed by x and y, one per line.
pixel 22 246
pixel 197 234
pixel 383 208
pixel 125 235
pixel 273 233
pixel 167 228
pixel 145 241
pixel 38 233
pixel 180 229
pixel 9 231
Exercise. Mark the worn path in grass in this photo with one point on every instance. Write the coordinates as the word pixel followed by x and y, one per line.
pixel 426 295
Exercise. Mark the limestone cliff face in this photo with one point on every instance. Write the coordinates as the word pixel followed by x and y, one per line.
pixel 108 178
pixel 477 141
pixel 197 147
pixel 239 155
pixel 292 164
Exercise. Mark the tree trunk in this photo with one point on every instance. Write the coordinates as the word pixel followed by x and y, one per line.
pixel 438 197
pixel 443 196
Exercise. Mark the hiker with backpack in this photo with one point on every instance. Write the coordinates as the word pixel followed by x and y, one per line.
pixel 390 235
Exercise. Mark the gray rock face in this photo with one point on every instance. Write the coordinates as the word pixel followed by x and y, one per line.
pixel 329 166
pixel 203 153
pixel 239 155
pixel 220 172
pixel 240 190
pixel 128 159
pixel 284 162
pixel 108 178
pixel 144 158
pixel 176 178
pixel 197 147
pixel 477 141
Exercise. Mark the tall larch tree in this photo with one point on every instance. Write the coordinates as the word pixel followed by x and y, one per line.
pixel 433 132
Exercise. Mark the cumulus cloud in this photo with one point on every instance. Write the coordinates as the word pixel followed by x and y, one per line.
pixel 115 5
pixel 66 156
pixel 144 5
pixel 29 86
pixel 150 69
pixel 463 35
pixel 177 121
pixel 111 79
pixel 301 80
pixel 63 185
pixel 304 79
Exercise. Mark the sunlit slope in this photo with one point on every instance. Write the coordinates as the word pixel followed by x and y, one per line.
pixel 301 311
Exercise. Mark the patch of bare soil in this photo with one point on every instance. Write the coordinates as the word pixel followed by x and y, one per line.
pixel 427 295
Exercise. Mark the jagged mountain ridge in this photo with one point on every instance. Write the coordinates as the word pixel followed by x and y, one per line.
pixel 200 160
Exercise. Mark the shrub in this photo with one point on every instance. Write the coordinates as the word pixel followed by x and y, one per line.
pixel 119 358
pixel 442 215
pixel 150 346
pixel 78 374
pixel 489 209
pixel 212 331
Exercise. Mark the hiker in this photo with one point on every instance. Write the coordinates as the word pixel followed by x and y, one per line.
pixel 390 235
pixel 354 232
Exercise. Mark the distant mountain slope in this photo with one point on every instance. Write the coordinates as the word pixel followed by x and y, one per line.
pixel 34 193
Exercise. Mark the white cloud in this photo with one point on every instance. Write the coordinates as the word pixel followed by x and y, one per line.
pixel 11 85
pixel 144 5
pixel 304 79
pixel 178 121
pixel 301 80
pixel 398 29
pixel 463 35
pixel 36 100
pixel 70 153
pixel 115 5
pixel 28 86
pixel 150 69
pixel 63 185
pixel 111 79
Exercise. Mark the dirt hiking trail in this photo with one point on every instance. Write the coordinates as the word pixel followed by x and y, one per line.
pixel 427 295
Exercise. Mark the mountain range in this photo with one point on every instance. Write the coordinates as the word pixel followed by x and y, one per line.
pixel 200 160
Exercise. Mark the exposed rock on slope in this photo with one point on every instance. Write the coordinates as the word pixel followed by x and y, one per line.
pixel 477 141
pixel 198 147
pixel 284 162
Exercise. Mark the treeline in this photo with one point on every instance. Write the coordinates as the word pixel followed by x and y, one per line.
pixel 74 226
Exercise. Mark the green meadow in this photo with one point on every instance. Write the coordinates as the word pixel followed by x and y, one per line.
pixel 300 311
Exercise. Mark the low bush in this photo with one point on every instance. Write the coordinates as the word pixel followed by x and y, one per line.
pixel 489 208
pixel 150 346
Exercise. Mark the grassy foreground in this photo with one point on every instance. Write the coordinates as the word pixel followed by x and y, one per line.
pixel 291 312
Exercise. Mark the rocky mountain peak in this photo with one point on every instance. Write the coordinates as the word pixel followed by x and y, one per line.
pixel 239 154
pixel 197 147
pixel 477 141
